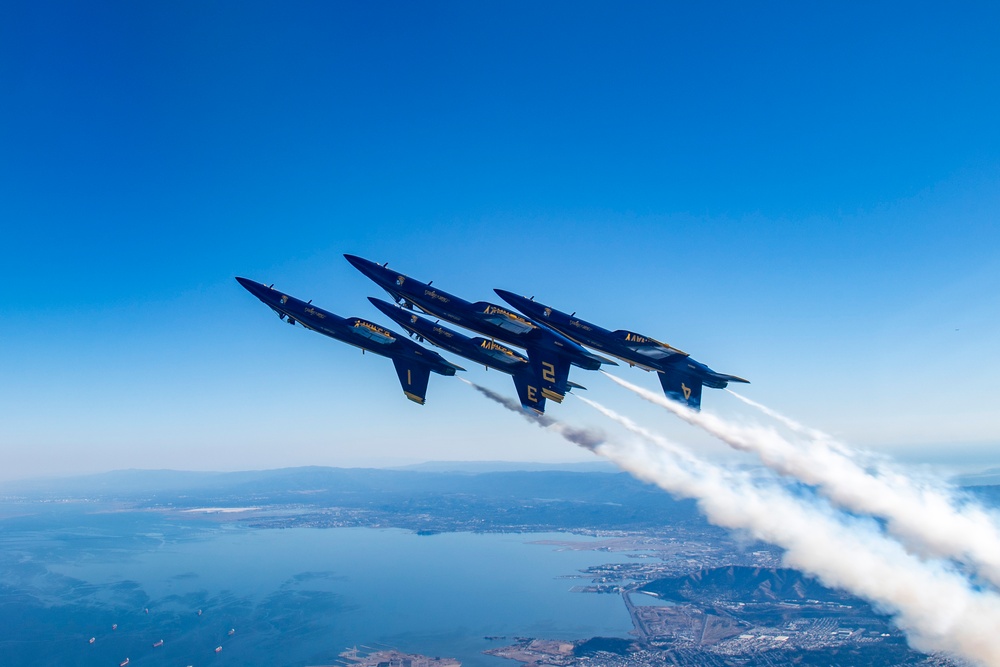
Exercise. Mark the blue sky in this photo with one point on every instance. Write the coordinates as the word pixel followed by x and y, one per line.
pixel 804 195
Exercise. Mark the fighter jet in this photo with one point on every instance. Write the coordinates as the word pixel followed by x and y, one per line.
pixel 681 376
pixel 489 353
pixel 413 363
pixel 550 354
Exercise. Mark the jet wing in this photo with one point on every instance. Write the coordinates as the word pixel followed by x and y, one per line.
pixel 503 318
pixel 500 356
pixel 413 377
pixel 653 353
pixel 646 346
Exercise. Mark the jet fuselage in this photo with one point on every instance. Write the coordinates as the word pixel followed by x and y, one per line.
pixel 490 320
pixel 680 375
pixel 549 353
pixel 479 350
pixel 359 333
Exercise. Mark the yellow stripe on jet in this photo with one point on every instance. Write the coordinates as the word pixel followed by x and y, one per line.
pixel 553 396
pixel 413 397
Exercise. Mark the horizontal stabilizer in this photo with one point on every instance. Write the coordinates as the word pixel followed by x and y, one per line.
pixel 573 385
pixel 603 360
pixel 455 367
pixel 720 380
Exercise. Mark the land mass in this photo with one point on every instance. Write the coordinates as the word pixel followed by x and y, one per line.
pixel 695 593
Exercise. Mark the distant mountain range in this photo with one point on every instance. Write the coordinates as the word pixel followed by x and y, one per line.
pixel 509 466
pixel 746 584
pixel 309 479
pixel 418 500
pixel 421 499
pixel 989 477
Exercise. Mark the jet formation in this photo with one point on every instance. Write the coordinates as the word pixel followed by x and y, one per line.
pixel 553 341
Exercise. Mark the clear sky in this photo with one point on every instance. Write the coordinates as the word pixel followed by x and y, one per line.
pixel 803 194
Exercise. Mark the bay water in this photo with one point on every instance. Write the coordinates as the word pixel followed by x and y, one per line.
pixel 296 596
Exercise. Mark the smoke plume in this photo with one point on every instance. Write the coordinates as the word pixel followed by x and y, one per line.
pixel 930 601
pixel 588 438
pixel 926 515
pixel 787 421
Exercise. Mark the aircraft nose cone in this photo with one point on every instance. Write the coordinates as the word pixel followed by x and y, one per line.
pixel 516 301
pixel 360 263
pixel 505 295
pixel 390 310
pixel 249 285
pixel 262 292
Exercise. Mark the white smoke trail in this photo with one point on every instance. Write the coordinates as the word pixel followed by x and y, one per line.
pixel 644 433
pixel 793 425
pixel 588 438
pixel 931 602
pixel 799 428
pixel 864 459
pixel 926 517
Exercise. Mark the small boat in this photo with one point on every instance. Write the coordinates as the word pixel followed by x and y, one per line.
pixel 123 663
pixel 114 626
pixel 199 612
pixel 218 649
pixel 159 643
pixel 92 640
pixel 232 632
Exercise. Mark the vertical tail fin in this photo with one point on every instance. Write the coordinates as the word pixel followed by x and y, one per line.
pixel 529 392
pixel 682 387
pixel 551 373
pixel 413 377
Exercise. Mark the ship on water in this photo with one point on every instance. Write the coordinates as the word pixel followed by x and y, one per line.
pixel 123 663
pixel 218 649
pixel 114 626
pixel 159 643
pixel 92 640
pixel 232 632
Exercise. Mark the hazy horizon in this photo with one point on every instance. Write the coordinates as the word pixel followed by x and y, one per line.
pixel 989 474
pixel 429 466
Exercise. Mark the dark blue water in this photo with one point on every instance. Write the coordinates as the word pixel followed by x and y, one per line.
pixel 294 597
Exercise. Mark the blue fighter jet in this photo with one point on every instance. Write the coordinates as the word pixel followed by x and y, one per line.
pixel 681 376
pixel 550 354
pixel 489 353
pixel 413 362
